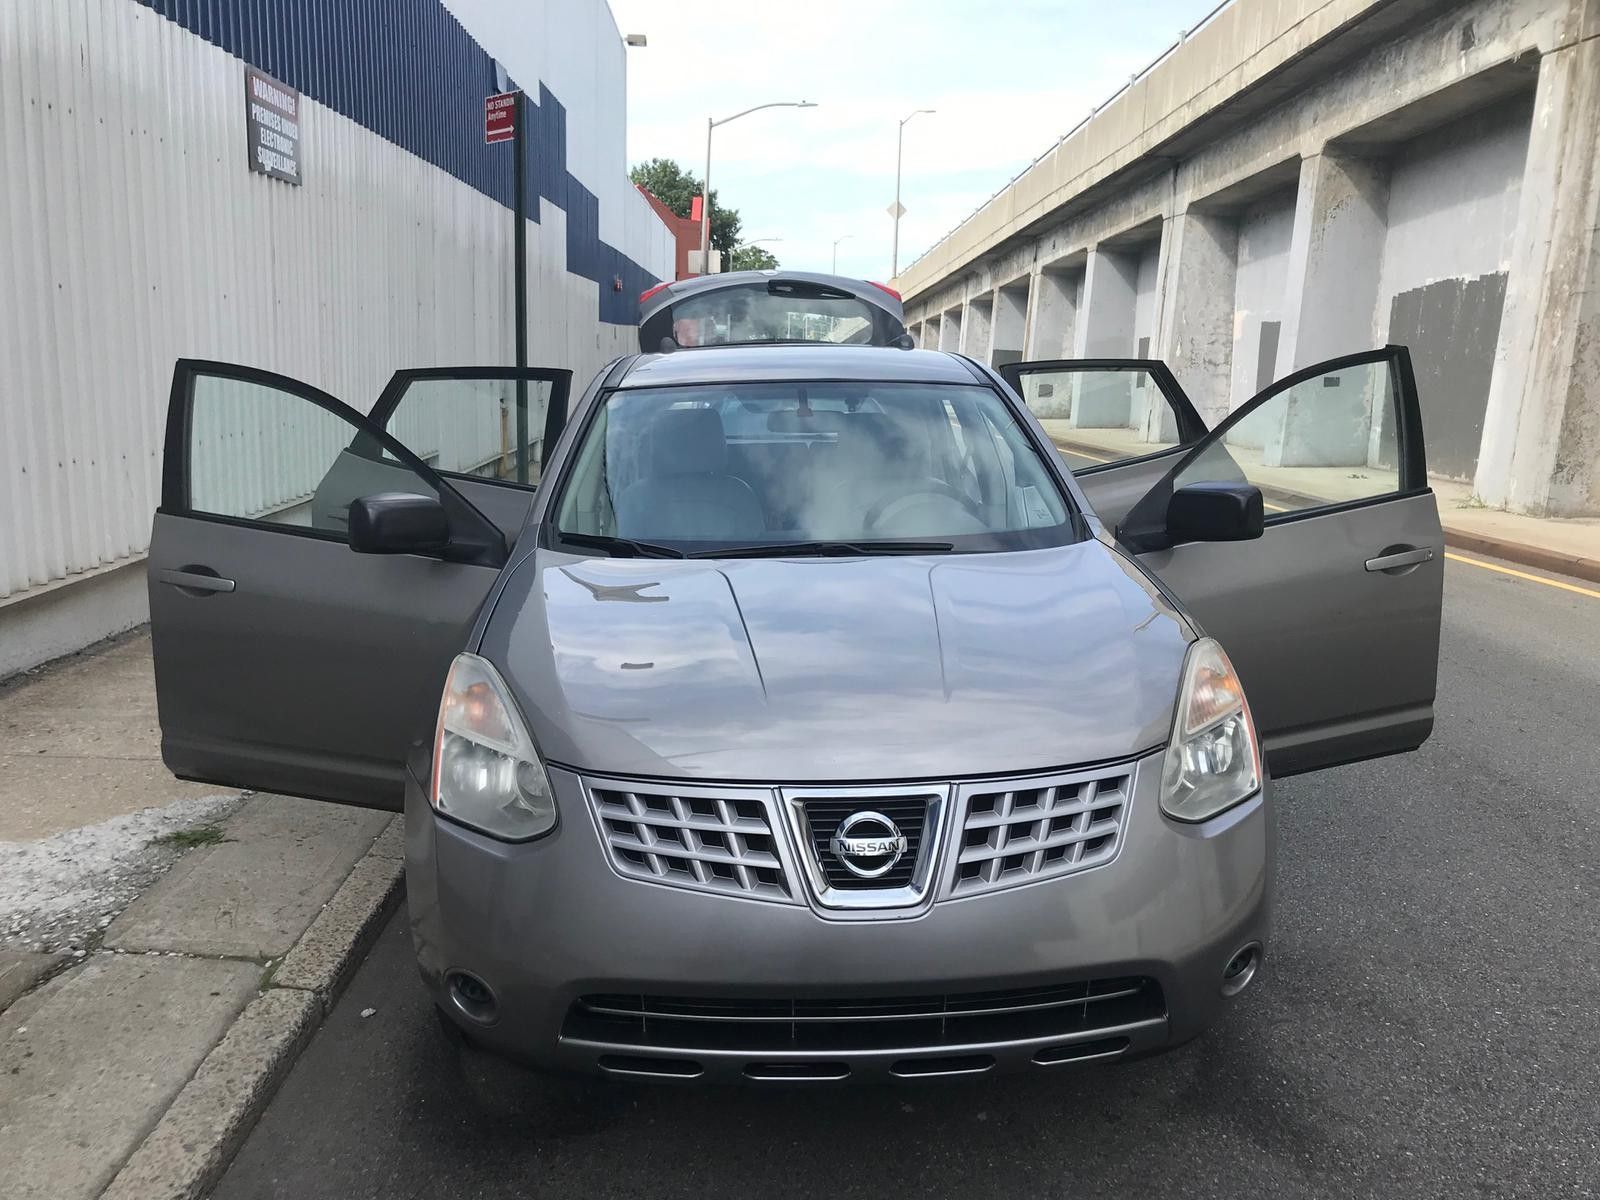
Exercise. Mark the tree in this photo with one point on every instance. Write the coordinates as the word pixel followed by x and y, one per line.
pixel 753 258
pixel 677 188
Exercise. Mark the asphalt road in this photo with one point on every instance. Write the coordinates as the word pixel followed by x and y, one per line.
pixel 1428 1023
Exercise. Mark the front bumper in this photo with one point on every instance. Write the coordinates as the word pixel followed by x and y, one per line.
pixel 545 923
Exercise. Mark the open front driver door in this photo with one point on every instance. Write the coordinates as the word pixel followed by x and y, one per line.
pixel 285 660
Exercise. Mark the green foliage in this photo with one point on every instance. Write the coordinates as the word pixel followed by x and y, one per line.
pixel 753 258
pixel 189 839
pixel 677 188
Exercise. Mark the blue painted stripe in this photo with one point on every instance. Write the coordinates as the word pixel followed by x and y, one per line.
pixel 408 71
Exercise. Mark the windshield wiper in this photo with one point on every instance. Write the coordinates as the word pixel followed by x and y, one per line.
pixel 622 547
pixel 825 549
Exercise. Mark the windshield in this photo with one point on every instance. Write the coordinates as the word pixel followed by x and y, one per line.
pixel 762 312
pixel 932 467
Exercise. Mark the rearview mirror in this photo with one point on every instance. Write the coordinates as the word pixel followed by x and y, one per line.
pixel 1215 512
pixel 397 523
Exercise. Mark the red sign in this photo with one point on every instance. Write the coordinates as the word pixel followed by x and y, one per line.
pixel 500 117
pixel 694 209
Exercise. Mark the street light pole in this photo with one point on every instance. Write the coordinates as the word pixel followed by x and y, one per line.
pixel 705 198
pixel 836 242
pixel 899 145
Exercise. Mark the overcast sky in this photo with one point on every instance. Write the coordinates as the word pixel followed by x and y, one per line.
pixel 1008 77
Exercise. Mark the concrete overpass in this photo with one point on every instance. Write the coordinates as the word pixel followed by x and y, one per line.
pixel 1298 180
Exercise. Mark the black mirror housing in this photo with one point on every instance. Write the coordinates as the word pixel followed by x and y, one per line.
pixel 398 523
pixel 1215 512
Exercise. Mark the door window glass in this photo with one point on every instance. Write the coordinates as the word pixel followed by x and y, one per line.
pixel 276 457
pixel 490 429
pixel 1326 440
pixel 1101 415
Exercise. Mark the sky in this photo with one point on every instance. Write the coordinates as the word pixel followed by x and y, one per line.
pixel 1007 78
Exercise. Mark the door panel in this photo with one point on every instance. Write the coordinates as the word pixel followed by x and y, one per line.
pixel 284 660
pixel 313 673
pixel 1338 657
pixel 1338 661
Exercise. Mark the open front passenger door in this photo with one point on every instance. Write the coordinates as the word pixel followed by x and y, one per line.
pixel 1331 615
pixel 285 659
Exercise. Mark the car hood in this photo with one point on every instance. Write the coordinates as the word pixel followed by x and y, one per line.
pixel 808 669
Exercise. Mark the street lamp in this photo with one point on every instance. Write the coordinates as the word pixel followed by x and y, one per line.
pixel 705 201
pixel 899 143
pixel 836 242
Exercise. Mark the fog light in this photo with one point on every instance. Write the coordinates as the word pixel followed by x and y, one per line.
pixel 471 997
pixel 1241 969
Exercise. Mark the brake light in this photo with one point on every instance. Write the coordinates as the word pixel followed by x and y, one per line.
pixel 884 287
pixel 645 295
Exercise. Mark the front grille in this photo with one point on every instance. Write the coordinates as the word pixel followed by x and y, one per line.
pixel 719 844
pixel 1048 828
pixel 759 1025
pixel 824 815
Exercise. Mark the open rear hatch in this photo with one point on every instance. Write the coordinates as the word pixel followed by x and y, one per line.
pixel 755 307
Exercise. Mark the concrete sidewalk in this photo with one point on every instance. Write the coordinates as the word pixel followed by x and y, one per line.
pixel 135 1069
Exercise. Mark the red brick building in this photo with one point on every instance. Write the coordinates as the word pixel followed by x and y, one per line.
pixel 685 231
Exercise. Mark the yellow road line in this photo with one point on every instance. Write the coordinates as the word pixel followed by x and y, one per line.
pixel 1076 453
pixel 1555 583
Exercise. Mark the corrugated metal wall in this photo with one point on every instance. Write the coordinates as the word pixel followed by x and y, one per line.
pixel 132 233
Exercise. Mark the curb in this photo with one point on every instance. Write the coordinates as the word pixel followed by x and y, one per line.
pixel 193 1144
pixel 1520 552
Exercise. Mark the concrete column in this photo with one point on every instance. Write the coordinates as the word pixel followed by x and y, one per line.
pixel 1104 328
pixel 1340 223
pixel 950 329
pixel 1106 318
pixel 1010 322
pixel 1541 436
pixel 976 323
pixel 1197 308
pixel 1055 314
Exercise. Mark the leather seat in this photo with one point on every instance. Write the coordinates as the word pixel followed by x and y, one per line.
pixel 686 492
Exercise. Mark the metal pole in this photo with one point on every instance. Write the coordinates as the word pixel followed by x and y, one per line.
pixel 519 283
pixel 705 206
pixel 899 144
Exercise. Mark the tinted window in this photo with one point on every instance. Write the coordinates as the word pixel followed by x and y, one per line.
pixel 1101 415
pixel 274 457
pixel 695 467
pixel 484 428
pixel 1327 440
pixel 760 312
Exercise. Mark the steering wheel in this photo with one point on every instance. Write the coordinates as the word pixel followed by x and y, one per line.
pixel 918 489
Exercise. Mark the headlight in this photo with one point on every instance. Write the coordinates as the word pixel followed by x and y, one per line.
pixel 486 771
pixel 1213 761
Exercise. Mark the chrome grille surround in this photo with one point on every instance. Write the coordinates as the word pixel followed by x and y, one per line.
pixel 720 840
pixel 1027 830
pixel 758 843
pixel 912 889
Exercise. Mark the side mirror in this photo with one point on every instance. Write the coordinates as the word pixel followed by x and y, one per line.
pixel 1214 512
pixel 397 523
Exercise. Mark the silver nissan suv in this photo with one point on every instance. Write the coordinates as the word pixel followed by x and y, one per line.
pixel 809 711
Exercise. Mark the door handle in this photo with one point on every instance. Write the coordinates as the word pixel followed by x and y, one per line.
pixel 195 581
pixel 1400 558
